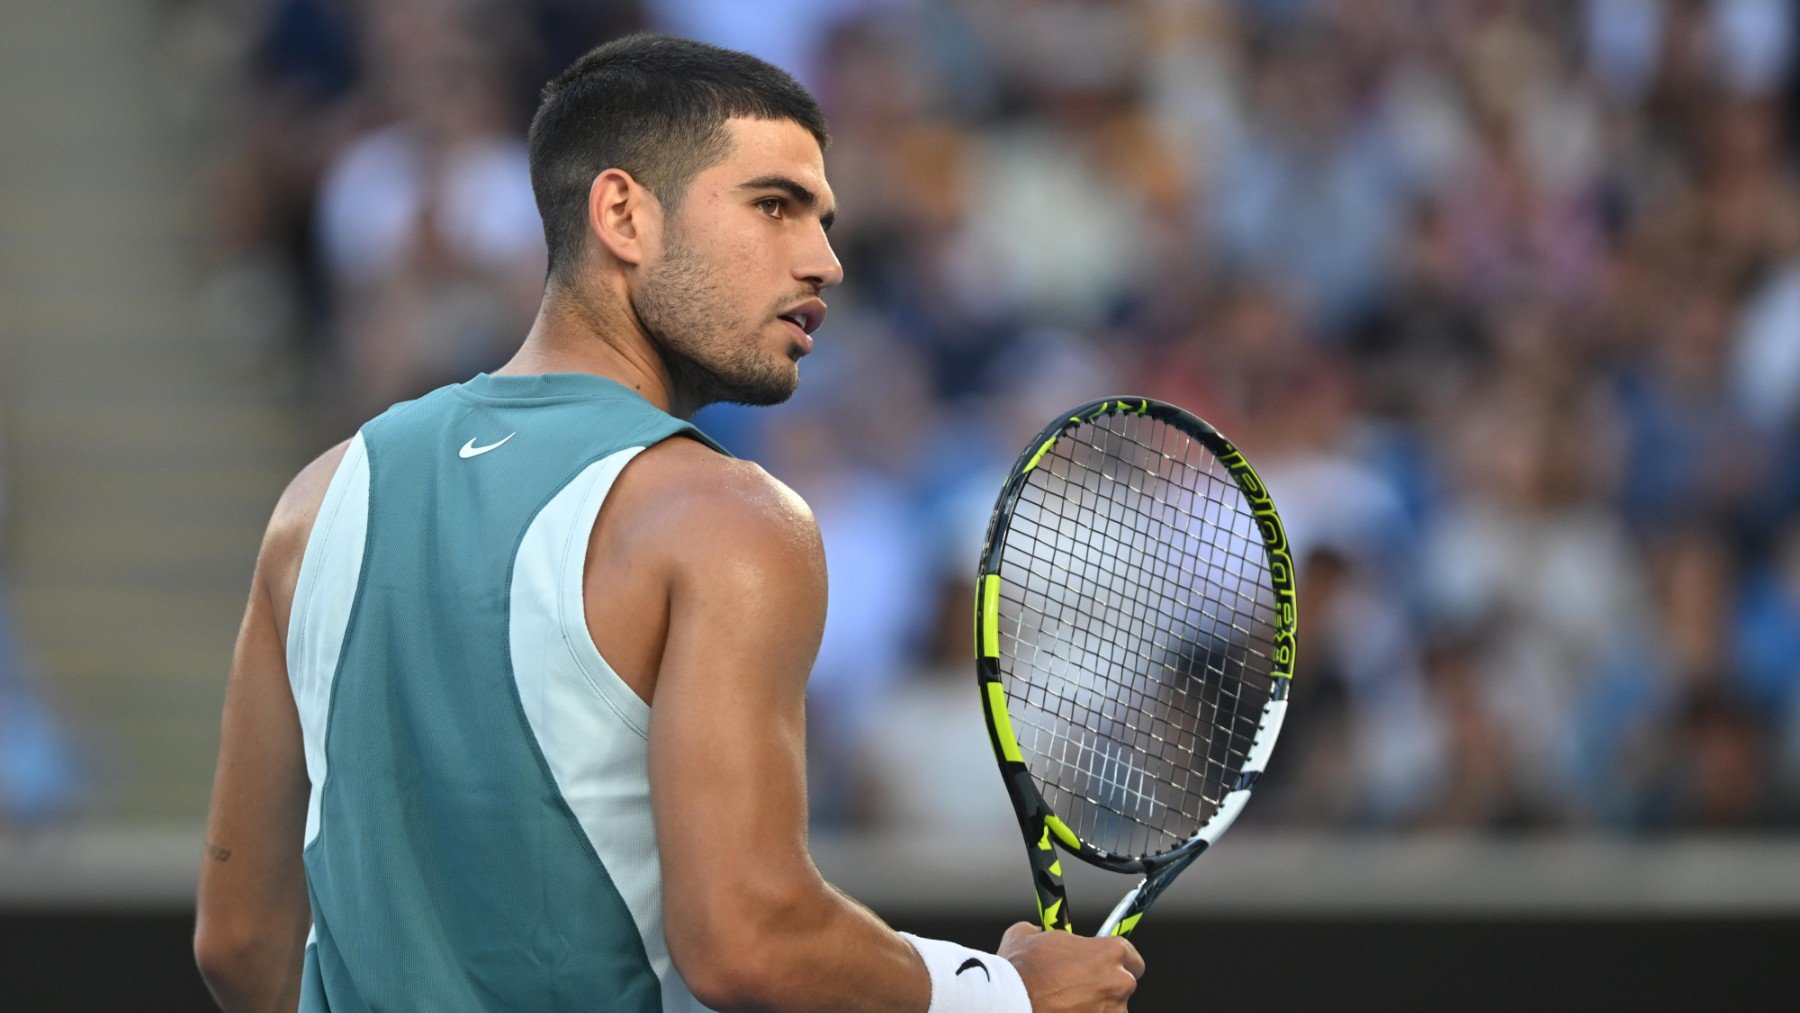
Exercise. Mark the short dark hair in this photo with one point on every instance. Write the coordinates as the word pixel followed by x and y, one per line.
pixel 654 106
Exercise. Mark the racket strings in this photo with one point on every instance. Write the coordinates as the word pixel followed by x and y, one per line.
pixel 1231 557
pixel 1126 777
pixel 1185 572
pixel 1137 629
pixel 1183 659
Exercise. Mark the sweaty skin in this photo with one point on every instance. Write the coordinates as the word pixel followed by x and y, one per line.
pixel 705 591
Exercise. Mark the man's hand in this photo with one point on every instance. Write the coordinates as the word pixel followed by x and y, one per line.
pixel 1064 971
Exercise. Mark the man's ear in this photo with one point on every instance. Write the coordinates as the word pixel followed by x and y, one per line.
pixel 624 217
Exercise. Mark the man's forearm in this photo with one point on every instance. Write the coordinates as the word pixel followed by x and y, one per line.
pixel 859 960
pixel 826 953
pixel 251 977
pixel 252 956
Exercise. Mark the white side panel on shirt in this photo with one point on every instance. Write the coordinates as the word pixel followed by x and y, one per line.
pixel 593 730
pixel 323 596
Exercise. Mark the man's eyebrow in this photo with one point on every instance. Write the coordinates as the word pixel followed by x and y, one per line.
pixel 795 189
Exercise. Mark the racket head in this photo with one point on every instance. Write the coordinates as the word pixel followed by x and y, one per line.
pixel 1135 621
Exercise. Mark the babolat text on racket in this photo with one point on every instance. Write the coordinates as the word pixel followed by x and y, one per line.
pixel 1134 633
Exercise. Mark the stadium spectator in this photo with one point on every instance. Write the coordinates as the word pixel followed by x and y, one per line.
pixel 427 224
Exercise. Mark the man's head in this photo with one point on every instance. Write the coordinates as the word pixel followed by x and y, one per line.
pixel 684 184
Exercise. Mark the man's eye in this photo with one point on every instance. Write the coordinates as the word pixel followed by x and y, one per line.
pixel 771 205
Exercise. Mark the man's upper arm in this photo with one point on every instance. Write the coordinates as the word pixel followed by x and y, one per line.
pixel 252 884
pixel 749 921
pixel 746 579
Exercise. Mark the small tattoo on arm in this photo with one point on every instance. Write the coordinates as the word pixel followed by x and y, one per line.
pixel 216 853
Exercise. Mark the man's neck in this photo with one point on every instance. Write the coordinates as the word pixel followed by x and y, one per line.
pixel 570 335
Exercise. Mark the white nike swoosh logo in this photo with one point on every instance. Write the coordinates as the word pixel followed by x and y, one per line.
pixel 471 450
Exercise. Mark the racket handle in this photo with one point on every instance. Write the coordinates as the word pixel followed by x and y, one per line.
pixel 1111 925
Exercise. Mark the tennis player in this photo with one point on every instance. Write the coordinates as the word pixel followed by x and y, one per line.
pixel 515 720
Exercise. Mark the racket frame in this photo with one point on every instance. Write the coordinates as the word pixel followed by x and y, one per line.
pixel 1042 829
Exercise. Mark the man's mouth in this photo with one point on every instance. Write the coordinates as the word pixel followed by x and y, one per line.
pixel 804 318
pixel 807 315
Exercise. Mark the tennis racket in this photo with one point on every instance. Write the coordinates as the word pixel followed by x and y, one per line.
pixel 1134 634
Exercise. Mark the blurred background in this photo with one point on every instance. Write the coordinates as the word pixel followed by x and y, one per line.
pixel 1501 296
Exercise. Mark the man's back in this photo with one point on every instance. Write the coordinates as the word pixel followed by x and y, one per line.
pixel 479 830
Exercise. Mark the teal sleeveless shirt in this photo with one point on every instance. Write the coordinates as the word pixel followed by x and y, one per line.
pixel 478 835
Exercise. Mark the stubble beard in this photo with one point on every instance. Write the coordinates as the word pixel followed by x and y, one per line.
pixel 684 314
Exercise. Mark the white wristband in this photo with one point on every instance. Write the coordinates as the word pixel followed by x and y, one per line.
pixel 970 981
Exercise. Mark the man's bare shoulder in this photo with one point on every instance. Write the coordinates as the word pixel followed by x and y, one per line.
pixel 688 498
pixel 285 541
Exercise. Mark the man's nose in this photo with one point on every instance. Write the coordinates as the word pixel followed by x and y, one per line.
pixel 818 265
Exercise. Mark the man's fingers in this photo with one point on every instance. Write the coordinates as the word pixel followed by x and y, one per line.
pixel 1018 931
pixel 1127 983
pixel 1130 958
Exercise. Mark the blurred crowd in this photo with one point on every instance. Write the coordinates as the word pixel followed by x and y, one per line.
pixel 1503 297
